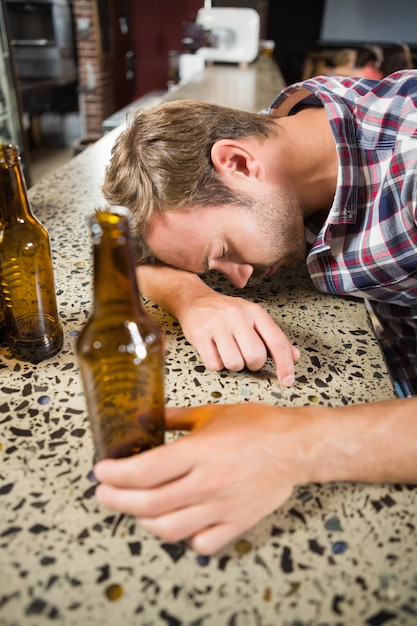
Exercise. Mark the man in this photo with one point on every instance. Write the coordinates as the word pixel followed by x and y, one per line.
pixel 329 178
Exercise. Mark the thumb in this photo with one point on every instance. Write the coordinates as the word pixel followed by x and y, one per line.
pixel 180 418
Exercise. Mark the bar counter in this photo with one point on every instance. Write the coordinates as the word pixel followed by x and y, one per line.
pixel 335 554
pixel 252 89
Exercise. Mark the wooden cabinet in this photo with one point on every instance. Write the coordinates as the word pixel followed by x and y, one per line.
pixel 144 33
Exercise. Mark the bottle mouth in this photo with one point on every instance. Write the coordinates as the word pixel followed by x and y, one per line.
pixel 9 153
pixel 113 220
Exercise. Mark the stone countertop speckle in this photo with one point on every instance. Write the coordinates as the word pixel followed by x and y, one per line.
pixel 333 554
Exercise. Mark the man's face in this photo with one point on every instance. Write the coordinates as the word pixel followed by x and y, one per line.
pixel 237 241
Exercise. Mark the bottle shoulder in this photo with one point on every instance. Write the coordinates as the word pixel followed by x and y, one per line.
pixel 23 229
pixel 123 342
pixel 21 219
pixel 118 327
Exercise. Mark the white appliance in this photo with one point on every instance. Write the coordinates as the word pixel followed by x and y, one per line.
pixel 232 34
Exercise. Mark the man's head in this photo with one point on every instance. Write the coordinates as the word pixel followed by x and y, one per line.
pixel 163 160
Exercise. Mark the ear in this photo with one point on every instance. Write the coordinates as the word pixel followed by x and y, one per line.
pixel 237 159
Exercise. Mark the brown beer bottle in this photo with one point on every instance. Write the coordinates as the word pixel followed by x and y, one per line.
pixel 2 323
pixel 120 348
pixel 27 290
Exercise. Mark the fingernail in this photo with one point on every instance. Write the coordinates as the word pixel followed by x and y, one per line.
pixel 287 381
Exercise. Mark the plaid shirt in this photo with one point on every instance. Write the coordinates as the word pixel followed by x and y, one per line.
pixel 367 246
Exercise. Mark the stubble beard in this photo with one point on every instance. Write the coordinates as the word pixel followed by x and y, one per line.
pixel 281 226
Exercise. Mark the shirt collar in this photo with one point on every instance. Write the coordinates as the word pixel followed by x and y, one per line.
pixel 342 123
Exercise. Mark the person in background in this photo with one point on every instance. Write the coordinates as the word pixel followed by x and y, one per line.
pixel 368 62
pixel 397 57
pixel 344 63
pixel 326 178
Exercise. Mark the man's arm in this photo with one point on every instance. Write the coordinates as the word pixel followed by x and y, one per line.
pixel 241 462
pixel 228 332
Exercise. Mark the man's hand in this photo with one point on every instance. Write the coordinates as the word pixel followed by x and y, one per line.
pixel 234 333
pixel 210 486
pixel 241 462
pixel 228 332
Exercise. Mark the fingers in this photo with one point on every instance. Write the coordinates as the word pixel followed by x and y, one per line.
pixel 222 330
pixel 198 524
pixel 159 465
pixel 187 418
pixel 159 502
pixel 146 470
pixel 183 418
pixel 212 539
pixel 250 349
pixel 263 338
pixel 163 464
pixel 238 349
pixel 219 350
pixel 181 524
pixel 282 352
pixel 295 353
pixel 240 334
pixel 243 344
pixel 212 484
pixel 205 539
pixel 122 500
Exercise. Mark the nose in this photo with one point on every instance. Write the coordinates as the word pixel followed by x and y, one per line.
pixel 237 273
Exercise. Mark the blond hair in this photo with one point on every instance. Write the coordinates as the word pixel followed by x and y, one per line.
pixel 162 161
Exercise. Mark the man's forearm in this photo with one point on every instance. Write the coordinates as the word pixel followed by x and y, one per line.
pixel 367 443
pixel 169 287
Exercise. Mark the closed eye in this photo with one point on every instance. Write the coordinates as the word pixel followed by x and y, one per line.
pixel 208 263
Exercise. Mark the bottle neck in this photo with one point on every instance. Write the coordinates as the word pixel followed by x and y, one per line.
pixel 13 193
pixel 115 282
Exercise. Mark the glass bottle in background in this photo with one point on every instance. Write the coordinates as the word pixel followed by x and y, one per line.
pixel 2 324
pixel 120 348
pixel 27 289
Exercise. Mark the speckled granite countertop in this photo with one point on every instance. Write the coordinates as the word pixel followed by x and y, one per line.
pixel 338 554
